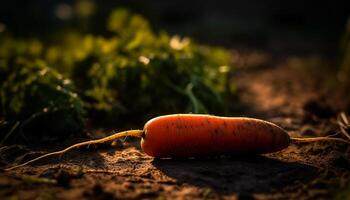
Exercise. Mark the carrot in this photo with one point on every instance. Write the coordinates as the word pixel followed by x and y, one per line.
pixel 189 135
pixel 194 135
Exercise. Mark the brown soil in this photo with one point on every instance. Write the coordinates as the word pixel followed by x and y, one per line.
pixel 277 90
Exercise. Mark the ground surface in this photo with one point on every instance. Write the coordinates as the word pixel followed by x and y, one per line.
pixel 276 90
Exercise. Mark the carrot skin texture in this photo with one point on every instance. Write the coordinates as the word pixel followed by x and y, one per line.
pixel 193 135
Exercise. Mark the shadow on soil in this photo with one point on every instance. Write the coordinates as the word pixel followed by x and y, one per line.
pixel 229 175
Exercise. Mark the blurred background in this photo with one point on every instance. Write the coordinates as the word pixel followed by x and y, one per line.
pixel 292 26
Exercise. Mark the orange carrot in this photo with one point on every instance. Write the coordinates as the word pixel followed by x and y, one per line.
pixel 193 135
pixel 186 135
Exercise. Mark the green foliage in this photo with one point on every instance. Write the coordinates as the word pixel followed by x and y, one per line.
pixel 136 69
pixel 130 76
pixel 41 100
pixel 11 48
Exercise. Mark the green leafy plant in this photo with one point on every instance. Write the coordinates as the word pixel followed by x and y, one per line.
pixel 41 100
pixel 139 73
pixel 128 77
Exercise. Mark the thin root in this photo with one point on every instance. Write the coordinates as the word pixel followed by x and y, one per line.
pixel 343 123
pixel 134 133
pixel 317 139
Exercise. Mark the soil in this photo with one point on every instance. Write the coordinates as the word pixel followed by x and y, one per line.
pixel 279 90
